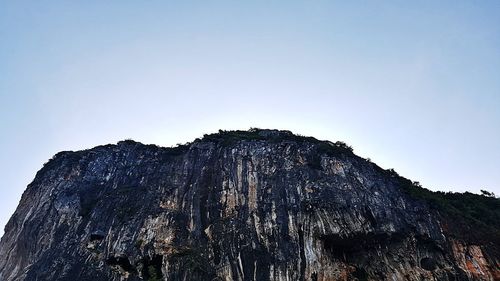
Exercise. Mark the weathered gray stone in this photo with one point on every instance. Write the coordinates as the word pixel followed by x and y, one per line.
pixel 272 206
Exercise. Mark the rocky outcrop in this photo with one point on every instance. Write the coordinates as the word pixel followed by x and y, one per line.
pixel 244 205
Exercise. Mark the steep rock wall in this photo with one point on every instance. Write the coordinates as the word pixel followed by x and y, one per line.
pixel 276 207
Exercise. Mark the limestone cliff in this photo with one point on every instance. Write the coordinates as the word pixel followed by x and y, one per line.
pixel 241 205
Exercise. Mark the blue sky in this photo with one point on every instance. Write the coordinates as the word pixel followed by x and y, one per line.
pixel 413 85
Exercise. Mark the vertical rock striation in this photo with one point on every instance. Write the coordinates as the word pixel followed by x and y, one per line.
pixel 244 205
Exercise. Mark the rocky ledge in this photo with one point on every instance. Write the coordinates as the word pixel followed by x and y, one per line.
pixel 243 205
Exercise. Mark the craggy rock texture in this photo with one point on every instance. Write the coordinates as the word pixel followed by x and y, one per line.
pixel 272 206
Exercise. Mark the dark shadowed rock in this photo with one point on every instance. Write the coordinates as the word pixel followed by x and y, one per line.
pixel 241 205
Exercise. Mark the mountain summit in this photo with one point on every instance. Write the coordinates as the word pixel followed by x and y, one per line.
pixel 243 205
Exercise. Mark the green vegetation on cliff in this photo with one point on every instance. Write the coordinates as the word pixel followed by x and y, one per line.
pixel 478 213
pixel 256 134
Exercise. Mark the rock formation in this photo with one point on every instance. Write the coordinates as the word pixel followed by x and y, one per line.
pixel 242 205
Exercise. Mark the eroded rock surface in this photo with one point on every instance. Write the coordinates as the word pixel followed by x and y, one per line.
pixel 272 206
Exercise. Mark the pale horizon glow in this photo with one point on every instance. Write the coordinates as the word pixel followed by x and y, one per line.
pixel 411 85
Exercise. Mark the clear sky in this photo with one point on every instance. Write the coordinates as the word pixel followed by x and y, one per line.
pixel 413 85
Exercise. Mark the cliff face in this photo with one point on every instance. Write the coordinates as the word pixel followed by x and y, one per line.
pixel 257 205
